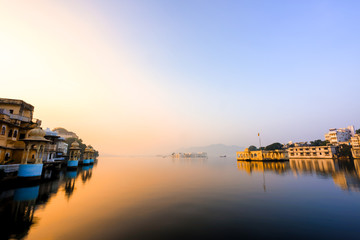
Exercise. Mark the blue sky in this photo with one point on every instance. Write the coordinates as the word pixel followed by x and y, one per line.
pixel 204 72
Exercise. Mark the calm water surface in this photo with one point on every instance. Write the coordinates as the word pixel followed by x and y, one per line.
pixel 164 198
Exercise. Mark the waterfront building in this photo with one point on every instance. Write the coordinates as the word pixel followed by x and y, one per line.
pixel 74 155
pixel 337 136
pixel 51 148
pixel 307 152
pixel 16 120
pixel 33 153
pixel 61 149
pixel 355 143
pixel 262 155
pixel 87 156
pixel 92 155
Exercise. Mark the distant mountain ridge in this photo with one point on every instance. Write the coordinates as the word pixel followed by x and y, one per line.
pixel 214 149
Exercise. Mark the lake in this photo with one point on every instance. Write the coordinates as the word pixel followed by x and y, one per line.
pixel 166 198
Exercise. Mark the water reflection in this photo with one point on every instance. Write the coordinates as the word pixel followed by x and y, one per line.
pixel 276 167
pixel 345 173
pixel 189 198
pixel 17 206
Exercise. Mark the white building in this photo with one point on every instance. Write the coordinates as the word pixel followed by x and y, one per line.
pixel 340 135
pixel 311 152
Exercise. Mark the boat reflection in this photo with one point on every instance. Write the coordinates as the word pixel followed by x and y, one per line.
pixel 17 206
pixel 345 173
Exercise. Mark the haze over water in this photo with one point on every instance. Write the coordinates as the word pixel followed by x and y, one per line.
pixel 215 198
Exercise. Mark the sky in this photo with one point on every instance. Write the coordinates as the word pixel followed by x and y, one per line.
pixel 151 77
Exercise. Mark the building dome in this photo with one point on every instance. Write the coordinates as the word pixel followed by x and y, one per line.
pixel 75 145
pixel 36 134
pixel 87 149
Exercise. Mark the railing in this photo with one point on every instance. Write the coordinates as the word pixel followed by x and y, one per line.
pixel 4 111
pixel 10 168
pixel 20 118
pixel 14 116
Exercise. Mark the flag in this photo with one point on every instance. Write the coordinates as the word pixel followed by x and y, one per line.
pixel 259 134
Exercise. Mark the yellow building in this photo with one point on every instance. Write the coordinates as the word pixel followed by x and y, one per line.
pixel 16 120
pixel 355 143
pixel 262 155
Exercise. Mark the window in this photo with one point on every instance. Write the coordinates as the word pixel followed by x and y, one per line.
pixel 22 136
pixel 10 133
pixel 11 111
pixel 15 133
pixel 3 130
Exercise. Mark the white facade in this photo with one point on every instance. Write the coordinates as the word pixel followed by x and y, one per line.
pixel 312 152
pixel 340 135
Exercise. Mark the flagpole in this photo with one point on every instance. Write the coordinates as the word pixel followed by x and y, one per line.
pixel 259 140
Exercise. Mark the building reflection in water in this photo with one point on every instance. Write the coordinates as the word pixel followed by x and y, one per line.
pixel 190 160
pixel 258 166
pixel 86 173
pixel 17 206
pixel 345 173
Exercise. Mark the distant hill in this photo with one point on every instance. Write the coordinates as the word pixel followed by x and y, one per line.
pixel 214 149
pixel 65 133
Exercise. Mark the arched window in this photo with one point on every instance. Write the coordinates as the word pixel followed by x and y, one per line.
pixel 15 133
pixel 7 156
pixel 10 133
pixel 3 130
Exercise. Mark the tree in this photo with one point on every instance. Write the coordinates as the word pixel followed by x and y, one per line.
pixel 357 131
pixel 252 148
pixel 344 151
pixel 274 146
pixel 319 142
